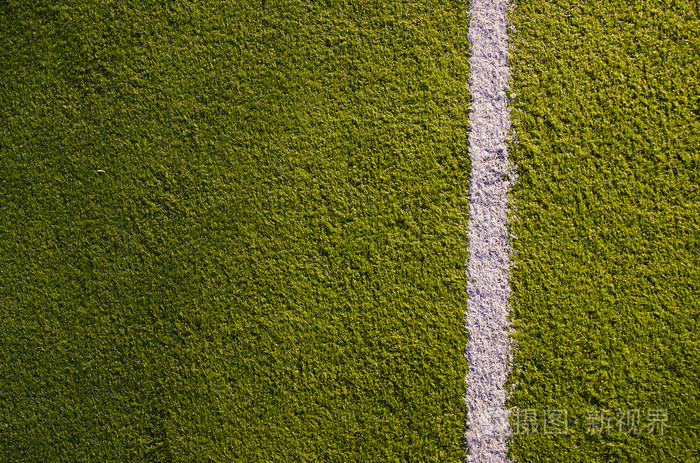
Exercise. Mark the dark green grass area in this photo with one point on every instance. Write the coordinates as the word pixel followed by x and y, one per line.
pixel 607 283
pixel 271 266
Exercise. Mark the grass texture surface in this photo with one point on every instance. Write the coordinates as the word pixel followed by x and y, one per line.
pixel 607 283
pixel 271 265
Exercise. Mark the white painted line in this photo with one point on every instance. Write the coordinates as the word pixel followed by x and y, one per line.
pixel 488 267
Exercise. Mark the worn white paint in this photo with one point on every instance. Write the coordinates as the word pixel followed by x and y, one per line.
pixel 488 267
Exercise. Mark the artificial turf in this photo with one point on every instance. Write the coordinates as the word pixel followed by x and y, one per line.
pixel 232 231
pixel 270 267
pixel 606 108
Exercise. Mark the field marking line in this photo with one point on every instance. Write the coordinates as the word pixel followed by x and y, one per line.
pixel 488 266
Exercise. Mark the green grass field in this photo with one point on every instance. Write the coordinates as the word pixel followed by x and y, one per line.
pixel 271 266
pixel 607 283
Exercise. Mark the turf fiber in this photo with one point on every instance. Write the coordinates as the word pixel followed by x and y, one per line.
pixel 270 266
pixel 606 109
